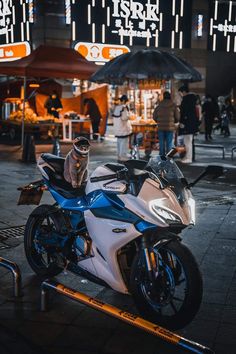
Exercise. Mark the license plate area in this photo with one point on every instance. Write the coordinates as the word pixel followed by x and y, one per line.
pixel 31 194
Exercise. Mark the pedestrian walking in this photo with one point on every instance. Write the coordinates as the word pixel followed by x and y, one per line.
pixel 188 121
pixel 225 119
pixel 208 111
pixel 167 115
pixel 122 128
pixel 91 110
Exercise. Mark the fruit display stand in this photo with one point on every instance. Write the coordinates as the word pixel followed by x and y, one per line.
pixel 145 134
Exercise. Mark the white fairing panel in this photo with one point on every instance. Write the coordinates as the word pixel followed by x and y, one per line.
pixel 106 243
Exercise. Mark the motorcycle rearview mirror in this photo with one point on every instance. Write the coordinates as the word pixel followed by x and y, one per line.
pixel 212 170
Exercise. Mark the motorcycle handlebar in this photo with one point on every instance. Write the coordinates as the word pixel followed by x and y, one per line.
pixel 103 178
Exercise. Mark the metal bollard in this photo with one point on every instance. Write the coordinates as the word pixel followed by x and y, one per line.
pixel 13 267
pixel 127 317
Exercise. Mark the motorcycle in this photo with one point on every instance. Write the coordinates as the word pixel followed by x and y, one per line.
pixel 122 230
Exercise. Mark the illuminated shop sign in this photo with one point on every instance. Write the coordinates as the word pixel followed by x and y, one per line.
pixel 15 19
pixel 222 32
pixel 149 23
pixel 100 52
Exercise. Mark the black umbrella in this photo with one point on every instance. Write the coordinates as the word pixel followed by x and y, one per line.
pixel 145 64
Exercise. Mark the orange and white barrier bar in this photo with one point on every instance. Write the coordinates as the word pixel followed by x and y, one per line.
pixel 13 267
pixel 127 317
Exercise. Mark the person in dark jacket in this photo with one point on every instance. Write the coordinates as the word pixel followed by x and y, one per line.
pixel 188 121
pixel 208 111
pixel 167 116
pixel 53 105
pixel 92 110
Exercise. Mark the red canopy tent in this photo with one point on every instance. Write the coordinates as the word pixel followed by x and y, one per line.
pixel 49 61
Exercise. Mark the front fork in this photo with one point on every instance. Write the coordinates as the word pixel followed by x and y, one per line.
pixel 151 259
pixel 151 256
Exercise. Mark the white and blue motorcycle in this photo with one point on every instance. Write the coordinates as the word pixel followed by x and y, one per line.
pixel 122 230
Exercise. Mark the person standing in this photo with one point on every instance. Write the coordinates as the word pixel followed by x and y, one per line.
pixel 188 121
pixel 208 111
pixel 166 114
pixel 122 127
pixel 93 112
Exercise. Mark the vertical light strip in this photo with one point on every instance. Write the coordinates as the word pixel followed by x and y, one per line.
pixel 21 2
pixel 177 23
pixel 31 11
pixel 182 8
pixel 13 15
pixel 73 31
pixel 12 34
pixel 160 23
pixel 172 39
pixel 225 28
pixel 131 40
pixel 157 5
pixel 230 10
pixel 234 43
pixel 173 7
pixel 24 13
pixel 93 3
pixel 214 42
pixel 103 33
pixel 216 10
pixel 89 14
pixel 228 43
pixel 148 39
pixel 108 16
pixel 68 11
pixel 27 31
pixel 73 2
pixel 211 27
pixel 157 39
pixel 22 32
pixel 93 32
pixel 103 3
pixel 7 37
pixel 181 40
pixel 11 3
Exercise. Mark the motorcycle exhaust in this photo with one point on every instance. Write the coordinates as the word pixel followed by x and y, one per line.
pixel 13 267
pixel 127 317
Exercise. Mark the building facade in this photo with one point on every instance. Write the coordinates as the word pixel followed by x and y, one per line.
pixel 201 31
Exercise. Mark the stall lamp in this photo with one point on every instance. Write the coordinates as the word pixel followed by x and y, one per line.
pixel 34 85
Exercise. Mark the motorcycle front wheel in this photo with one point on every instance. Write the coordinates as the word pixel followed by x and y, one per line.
pixel 172 297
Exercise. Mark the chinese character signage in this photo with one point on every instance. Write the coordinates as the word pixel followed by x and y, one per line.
pixel 15 18
pixel 148 23
pixel 222 31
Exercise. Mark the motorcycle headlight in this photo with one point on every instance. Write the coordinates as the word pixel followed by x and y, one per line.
pixel 191 204
pixel 165 215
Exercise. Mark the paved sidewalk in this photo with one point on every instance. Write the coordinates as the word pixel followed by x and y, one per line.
pixel 73 328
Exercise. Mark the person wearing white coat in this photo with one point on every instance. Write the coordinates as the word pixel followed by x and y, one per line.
pixel 122 128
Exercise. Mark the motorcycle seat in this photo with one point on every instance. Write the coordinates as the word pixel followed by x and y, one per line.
pixel 56 178
pixel 55 161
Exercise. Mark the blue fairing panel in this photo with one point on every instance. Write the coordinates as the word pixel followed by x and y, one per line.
pixel 103 205
pixel 142 226
pixel 79 203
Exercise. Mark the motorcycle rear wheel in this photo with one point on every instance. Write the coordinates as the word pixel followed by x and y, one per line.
pixel 173 298
pixel 42 262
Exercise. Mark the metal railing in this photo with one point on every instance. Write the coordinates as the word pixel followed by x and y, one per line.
pixel 14 269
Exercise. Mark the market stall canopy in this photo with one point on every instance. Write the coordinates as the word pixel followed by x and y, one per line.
pixel 145 64
pixel 53 62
